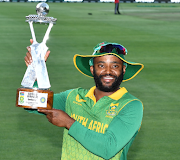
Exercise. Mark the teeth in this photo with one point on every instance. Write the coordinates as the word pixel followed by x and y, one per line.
pixel 108 78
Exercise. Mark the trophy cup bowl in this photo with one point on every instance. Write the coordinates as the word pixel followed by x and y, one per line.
pixel 37 97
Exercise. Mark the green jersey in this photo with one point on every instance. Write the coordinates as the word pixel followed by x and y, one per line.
pixel 104 129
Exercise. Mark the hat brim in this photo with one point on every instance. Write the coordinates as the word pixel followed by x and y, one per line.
pixel 81 62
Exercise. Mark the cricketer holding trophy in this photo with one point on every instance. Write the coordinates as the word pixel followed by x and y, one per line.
pixel 102 122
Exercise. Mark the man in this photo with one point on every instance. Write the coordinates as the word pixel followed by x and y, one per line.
pixel 116 10
pixel 100 123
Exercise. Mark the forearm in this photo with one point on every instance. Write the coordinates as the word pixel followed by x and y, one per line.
pixel 103 145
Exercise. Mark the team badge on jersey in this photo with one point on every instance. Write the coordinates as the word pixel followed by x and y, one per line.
pixel 111 112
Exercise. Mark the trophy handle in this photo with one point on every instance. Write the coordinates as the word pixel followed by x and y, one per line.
pixel 32 31
pixel 46 37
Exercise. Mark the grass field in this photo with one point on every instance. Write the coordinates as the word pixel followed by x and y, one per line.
pixel 151 34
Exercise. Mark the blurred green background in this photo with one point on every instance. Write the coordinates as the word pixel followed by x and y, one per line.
pixel 151 34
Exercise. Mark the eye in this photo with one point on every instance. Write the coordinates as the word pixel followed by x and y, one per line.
pixel 115 66
pixel 101 66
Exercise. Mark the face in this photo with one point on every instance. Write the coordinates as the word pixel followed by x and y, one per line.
pixel 108 72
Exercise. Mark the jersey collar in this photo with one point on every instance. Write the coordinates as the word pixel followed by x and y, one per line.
pixel 90 94
pixel 116 95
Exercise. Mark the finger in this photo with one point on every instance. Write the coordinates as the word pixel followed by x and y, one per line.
pixel 44 111
pixel 31 41
pixel 28 48
pixel 46 56
pixel 49 117
pixel 28 55
pixel 28 59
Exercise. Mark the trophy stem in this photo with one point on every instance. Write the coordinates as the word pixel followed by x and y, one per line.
pixel 32 31
pixel 47 33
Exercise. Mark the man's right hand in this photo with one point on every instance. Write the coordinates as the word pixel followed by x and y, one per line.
pixel 28 58
pixel 58 117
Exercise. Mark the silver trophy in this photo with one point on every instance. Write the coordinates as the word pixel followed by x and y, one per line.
pixel 41 97
pixel 37 70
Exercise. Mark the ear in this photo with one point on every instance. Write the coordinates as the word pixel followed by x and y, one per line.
pixel 124 69
pixel 92 69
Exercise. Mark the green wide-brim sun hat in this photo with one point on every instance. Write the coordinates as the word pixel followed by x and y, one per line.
pixel 83 62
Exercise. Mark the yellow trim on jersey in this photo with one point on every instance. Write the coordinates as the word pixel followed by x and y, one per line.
pixel 79 100
pixel 69 94
pixel 116 95
pixel 90 94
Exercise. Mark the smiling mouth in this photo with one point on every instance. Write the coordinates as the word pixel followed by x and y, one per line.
pixel 108 78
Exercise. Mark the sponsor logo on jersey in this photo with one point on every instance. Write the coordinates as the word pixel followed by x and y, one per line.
pixel 78 101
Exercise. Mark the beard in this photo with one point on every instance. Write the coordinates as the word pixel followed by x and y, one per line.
pixel 115 85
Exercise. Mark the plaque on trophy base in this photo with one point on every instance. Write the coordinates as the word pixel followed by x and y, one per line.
pixel 34 98
pixel 41 97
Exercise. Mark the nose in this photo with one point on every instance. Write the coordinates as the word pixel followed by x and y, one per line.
pixel 108 70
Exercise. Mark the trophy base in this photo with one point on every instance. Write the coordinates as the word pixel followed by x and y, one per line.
pixel 34 98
